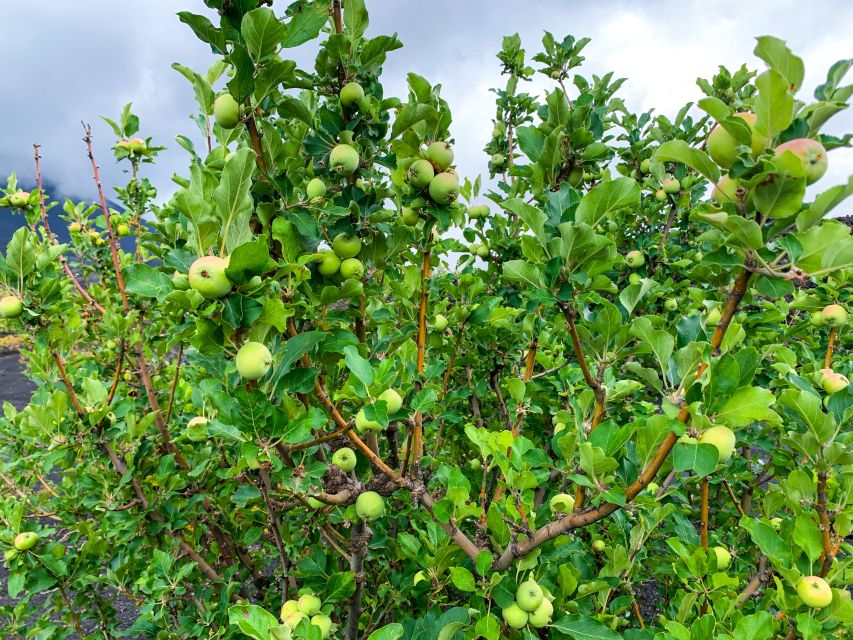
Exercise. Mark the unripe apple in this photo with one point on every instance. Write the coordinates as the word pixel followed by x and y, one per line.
pixel 832 382
pixel 439 323
pixel 409 216
pixel 646 166
pixel 324 623
pixel 351 93
pixel 343 160
pixel 515 616
pixel 498 159
pixel 834 315
pixel 776 523
pixel 180 281
pixel 440 155
pixel 346 246
pixel 713 317
pixel 11 307
pixel 575 177
pixel 635 278
pixel 10 554
pixel 670 304
pixel 362 424
pixel 292 619
pixel 287 608
pixel 726 190
pixel 392 400
pixel 370 506
pixel 722 146
pixel 123 229
pixel 75 227
pixel 26 540
pixel 475 464
pixel 19 198
pixel 345 459
pixel 197 429
pixel 810 153
pixel 562 503
pixel 482 250
pixel 309 604
pixel 635 259
pixel 721 437
pixel 207 276
pixel 541 616
pixel 817 320
pixel 329 265
pixel 420 173
pixel 814 591
pixel 253 360
pixel 136 145
pixel 352 268
pixel 653 488
pixel 598 545
pixel 226 111
pixel 478 211
pixel 444 188
pixel 670 185
pixel 316 188
pixel 529 595
pixel 724 558
pixel 660 195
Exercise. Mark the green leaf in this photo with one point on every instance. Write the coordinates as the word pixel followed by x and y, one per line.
pixel 771 545
pixel 410 115
pixel 581 627
pixel 823 204
pixel 462 579
pixel 607 197
pixel 19 253
pixel 807 536
pixel 701 459
pixel 359 367
pixel 252 620
pixel 778 57
pixel 748 405
pixel 531 216
pixel 299 345
pixel 284 232
pixel 306 23
pixel 289 107
pixel 779 195
pixel 744 232
pixel 248 260
pixel 826 247
pixel 262 32
pixel 680 151
pixel 488 627
pixel 233 199
pixel 145 281
pixel 392 631
pixel 660 342
pixel 807 406
pixel 774 105
pixel 340 587
pixel 521 271
pixel 204 30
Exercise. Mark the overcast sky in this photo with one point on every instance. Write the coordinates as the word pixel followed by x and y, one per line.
pixel 67 61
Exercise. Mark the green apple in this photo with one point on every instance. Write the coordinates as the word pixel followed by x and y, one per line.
pixel 724 558
pixel 294 618
pixel 660 195
pixel 713 317
pixel 598 545
pixel 351 93
pixel 646 166
pixel 653 488
pixel 722 146
pixel 478 211
pixel 11 307
pixel 575 176
pixel 253 360
pixel 123 229
pixel 352 268
pixel 814 591
pixel 226 111
pixel 635 259
pixel 19 198
pixel 515 616
pixel 370 506
pixel 670 304
pixel 362 424
pixel 207 276
pixel 635 278
pixel 444 188
pixel 670 185
pixel 346 246
pixel 75 227
pixel 440 155
pixel 322 622
pixel 562 503
pixel 393 401
pixel 832 382
pixel 529 595
pixel 726 190
pixel 439 323
pixel 136 145
pixel 409 216
pixel 721 437
pixel 811 154
pixel 475 464
pixel 345 459
pixel 834 315
pixel 316 188
pixel 482 250
pixel 816 319
pixel 776 523
pixel 10 554
pixel 26 540
pixel 197 429
pixel 497 160
pixel 330 263
pixel 180 281
pixel 541 616
pixel 289 606
pixel 309 604
pixel 420 174
pixel 343 160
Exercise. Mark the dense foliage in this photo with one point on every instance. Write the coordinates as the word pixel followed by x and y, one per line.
pixel 336 390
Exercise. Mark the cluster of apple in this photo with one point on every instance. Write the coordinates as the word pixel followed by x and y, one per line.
pixel 431 175
pixel 722 146
pixel 532 606
pixel 133 147
pixel 307 606
pixel 18 199
pixel 342 258
pixel 393 403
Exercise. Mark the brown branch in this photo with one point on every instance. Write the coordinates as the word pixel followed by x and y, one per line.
pixel 418 428
pixel 266 488
pixel 703 518
pixel 732 495
pixel 586 517
pixel 361 535
pixel 825 527
pixel 755 582
pixel 475 403
pixel 174 383
pixel 116 377
pixel 827 360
